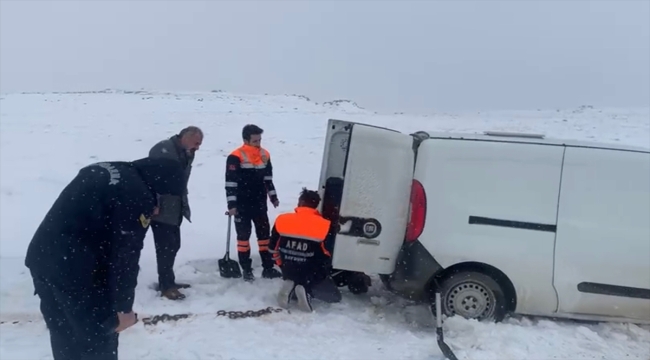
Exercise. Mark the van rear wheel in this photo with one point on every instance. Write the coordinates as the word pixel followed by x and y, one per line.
pixel 472 295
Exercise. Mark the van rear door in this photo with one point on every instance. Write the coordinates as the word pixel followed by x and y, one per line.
pixel 365 184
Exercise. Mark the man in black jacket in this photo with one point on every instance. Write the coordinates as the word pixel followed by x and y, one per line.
pixel 172 209
pixel 84 256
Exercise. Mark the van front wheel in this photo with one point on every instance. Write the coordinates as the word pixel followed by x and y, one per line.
pixel 472 295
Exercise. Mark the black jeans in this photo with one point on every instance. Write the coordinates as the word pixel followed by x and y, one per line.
pixel 243 227
pixel 325 290
pixel 79 322
pixel 167 239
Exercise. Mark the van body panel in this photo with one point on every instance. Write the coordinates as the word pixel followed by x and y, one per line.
pixel 534 141
pixel 567 222
pixel 602 255
pixel 494 203
pixel 414 270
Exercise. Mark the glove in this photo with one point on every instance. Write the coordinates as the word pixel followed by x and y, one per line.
pixel 187 212
pixel 276 258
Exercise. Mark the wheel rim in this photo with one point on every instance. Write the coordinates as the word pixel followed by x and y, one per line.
pixel 471 300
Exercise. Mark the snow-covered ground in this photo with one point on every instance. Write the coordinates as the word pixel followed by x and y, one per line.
pixel 46 138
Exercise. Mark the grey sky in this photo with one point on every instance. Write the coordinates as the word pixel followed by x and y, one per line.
pixel 418 56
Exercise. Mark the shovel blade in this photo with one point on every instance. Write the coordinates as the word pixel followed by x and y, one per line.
pixel 229 268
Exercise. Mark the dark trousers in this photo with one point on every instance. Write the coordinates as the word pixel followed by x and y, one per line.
pixel 243 227
pixel 357 282
pixel 79 323
pixel 325 290
pixel 167 239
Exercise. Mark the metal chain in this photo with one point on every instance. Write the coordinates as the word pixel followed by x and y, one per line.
pixel 16 322
pixel 153 320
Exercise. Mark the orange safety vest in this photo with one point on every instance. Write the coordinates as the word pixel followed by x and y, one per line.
pixel 302 237
pixel 252 157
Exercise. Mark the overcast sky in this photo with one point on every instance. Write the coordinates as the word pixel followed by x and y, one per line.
pixel 418 56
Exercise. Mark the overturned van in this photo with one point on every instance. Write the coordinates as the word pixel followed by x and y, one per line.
pixel 498 223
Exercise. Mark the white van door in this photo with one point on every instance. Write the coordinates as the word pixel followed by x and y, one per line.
pixel 602 253
pixel 365 184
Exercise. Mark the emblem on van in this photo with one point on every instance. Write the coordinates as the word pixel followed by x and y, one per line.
pixel 369 229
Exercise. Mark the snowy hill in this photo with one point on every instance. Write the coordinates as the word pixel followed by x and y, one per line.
pixel 46 138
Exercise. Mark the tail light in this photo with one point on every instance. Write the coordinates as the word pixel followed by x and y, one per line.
pixel 418 214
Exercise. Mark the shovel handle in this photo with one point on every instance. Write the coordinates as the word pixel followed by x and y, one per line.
pixel 228 235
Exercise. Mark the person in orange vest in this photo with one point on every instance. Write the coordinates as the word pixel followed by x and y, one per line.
pixel 249 180
pixel 301 246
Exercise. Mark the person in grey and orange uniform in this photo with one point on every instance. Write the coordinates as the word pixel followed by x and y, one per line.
pixel 301 244
pixel 249 181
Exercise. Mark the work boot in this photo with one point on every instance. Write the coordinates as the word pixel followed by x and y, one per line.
pixel 173 286
pixel 358 283
pixel 271 273
pixel 181 286
pixel 248 275
pixel 286 293
pixel 304 299
pixel 172 294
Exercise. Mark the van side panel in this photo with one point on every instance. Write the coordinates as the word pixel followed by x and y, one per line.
pixel 494 203
pixel 603 239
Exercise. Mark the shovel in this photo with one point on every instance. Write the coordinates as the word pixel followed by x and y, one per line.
pixel 229 268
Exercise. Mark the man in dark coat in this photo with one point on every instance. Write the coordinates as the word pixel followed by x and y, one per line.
pixel 84 256
pixel 166 224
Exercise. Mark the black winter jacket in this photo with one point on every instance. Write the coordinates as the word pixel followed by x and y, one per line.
pixel 93 234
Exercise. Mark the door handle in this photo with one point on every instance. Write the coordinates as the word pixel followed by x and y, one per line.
pixel 368 242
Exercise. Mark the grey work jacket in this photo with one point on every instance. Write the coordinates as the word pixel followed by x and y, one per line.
pixel 173 208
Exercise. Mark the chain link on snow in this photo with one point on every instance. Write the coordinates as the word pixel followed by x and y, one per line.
pixel 15 322
pixel 155 319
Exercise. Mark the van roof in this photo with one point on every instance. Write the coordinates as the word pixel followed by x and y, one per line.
pixel 529 138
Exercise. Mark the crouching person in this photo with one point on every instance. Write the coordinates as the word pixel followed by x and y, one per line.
pixel 299 248
pixel 84 256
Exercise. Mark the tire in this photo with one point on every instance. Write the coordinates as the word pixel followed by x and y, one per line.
pixel 472 295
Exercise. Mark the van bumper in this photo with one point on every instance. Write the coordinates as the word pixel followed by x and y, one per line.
pixel 414 269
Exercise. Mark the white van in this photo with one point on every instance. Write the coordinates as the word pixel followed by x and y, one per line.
pixel 499 223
